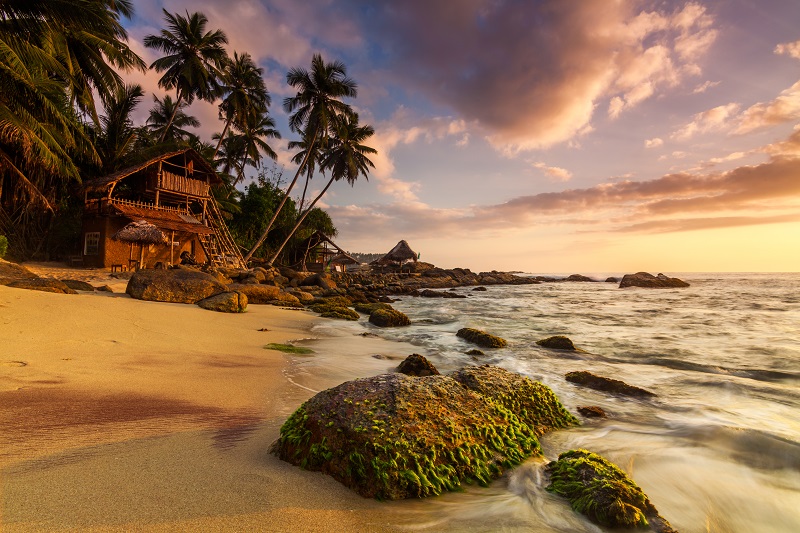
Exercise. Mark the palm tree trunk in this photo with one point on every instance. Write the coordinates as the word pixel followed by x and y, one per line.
pixel 285 197
pixel 303 198
pixel 221 138
pixel 172 118
pixel 300 221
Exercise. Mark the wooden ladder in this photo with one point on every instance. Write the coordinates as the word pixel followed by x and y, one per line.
pixel 220 248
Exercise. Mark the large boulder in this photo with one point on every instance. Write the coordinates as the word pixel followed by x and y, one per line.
pixel 593 381
pixel 11 272
pixel 323 281
pixel 481 338
pixel 389 318
pixel 644 279
pixel 600 490
pixel 264 294
pixel 177 285
pixel 225 302
pixel 394 436
pixel 370 308
pixel 42 284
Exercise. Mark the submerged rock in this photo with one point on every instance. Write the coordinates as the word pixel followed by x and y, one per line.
pixel 417 365
pixel 591 411
pixel 427 293
pixel 612 279
pixel 600 490
pixel 388 318
pixel 175 285
pixel 394 436
pixel 557 342
pixel 474 352
pixel 481 338
pixel 225 302
pixel 593 381
pixel 645 279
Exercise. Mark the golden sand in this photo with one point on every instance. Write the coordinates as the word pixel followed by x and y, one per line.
pixel 123 415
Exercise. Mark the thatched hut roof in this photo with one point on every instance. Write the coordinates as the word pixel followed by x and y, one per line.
pixel 141 232
pixel 344 259
pixel 400 253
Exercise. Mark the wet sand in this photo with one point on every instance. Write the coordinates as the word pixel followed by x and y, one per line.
pixel 123 415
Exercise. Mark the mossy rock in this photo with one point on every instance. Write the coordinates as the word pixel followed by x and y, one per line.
pixel 369 308
pixel 600 490
pixel 335 301
pixel 388 318
pixel 474 352
pixel 342 313
pixel 481 338
pixel 593 381
pixel 417 365
pixel 394 436
pixel 557 342
pixel 534 403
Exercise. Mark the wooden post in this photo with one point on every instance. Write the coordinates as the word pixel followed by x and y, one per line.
pixel 172 248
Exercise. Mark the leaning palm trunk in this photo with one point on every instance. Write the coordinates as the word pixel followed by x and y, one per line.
pixel 278 210
pixel 221 138
pixel 171 119
pixel 300 221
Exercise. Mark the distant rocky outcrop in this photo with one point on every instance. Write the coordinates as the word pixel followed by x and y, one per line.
pixel 603 492
pixel 225 302
pixel 481 338
pixel 593 381
pixel 578 277
pixel 644 279
pixel 557 342
pixel 394 436
pixel 612 279
pixel 417 365
pixel 174 285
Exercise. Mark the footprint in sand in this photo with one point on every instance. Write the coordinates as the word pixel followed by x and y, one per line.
pixel 13 363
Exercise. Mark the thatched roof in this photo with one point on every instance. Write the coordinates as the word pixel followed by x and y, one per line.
pixel 200 165
pixel 344 259
pixel 400 253
pixel 164 220
pixel 141 232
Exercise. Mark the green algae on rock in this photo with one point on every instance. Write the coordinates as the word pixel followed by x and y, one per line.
pixel 394 436
pixel 557 342
pixel 388 318
pixel 481 338
pixel 289 348
pixel 600 490
pixel 370 308
pixel 417 365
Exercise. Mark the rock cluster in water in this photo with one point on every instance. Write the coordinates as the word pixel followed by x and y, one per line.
pixel 395 436
pixel 644 279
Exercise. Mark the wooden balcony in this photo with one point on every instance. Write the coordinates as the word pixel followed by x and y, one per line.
pixel 173 183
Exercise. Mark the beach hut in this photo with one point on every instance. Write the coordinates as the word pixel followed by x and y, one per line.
pixel 142 233
pixel 319 253
pixel 397 256
pixel 172 192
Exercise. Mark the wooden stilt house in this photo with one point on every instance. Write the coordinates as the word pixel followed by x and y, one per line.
pixel 321 253
pixel 172 192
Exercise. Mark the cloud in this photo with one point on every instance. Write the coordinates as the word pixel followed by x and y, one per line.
pixel 556 173
pixel 653 143
pixel 711 120
pixel 703 87
pixel 784 108
pixel 532 74
pixel 765 193
pixel 789 49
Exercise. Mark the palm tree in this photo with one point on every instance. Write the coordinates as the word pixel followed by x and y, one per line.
pixel 194 59
pixel 313 109
pixel 254 130
pixel 345 157
pixel 310 159
pixel 117 135
pixel 243 85
pixel 168 119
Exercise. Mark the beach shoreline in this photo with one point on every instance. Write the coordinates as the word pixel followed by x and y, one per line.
pixel 121 414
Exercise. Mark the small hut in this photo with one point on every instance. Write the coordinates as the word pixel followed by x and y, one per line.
pixel 142 233
pixel 319 253
pixel 397 256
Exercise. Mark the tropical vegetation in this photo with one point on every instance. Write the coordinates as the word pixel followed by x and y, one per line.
pixel 67 115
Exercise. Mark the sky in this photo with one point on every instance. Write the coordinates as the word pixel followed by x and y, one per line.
pixel 547 136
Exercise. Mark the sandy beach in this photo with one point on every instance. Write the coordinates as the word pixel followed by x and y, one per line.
pixel 118 414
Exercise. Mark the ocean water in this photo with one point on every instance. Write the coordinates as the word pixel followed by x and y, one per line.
pixel 718 449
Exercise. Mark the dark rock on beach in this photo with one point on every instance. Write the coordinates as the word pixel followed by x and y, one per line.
pixel 557 342
pixel 77 285
pixel 603 492
pixel 394 436
pixel 417 365
pixel 578 277
pixel 11 272
pixel 480 288
pixel 388 318
pixel 612 279
pixel 174 285
pixel 474 352
pixel 481 338
pixel 43 285
pixel 593 381
pixel 644 279
pixel 427 293
pixel 263 294
pixel 225 302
